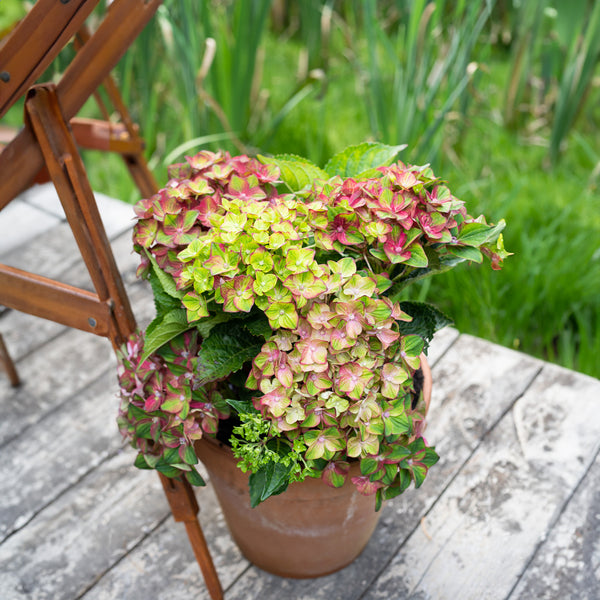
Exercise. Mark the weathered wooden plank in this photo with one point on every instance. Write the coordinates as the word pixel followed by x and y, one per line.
pixel 72 441
pixel 55 254
pixel 21 222
pixel 475 383
pixel 24 333
pixel 481 533
pixel 44 197
pixel 567 566
pixel 60 368
pixel 50 377
pixel 163 566
pixel 68 546
pixel 117 216
pixel 54 251
pixel 47 254
pixel 440 344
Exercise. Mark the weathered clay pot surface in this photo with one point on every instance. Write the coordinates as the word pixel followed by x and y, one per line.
pixel 308 531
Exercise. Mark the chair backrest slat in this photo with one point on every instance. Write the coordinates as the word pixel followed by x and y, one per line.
pixel 21 159
pixel 35 42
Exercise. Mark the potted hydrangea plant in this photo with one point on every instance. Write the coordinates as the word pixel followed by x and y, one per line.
pixel 280 345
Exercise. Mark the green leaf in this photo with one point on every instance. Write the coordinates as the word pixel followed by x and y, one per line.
pixel 140 462
pixel 270 480
pixel 162 330
pixel 466 253
pixel 168 470
pixel 205 326
pixel 296 172
pixel 163 302
pixel 430 457
pixel 476 234
pixel 368 465
pixel 355 160
pixel 258 325
pixel 396 425
pixel 195 478
pixel 412 345
pixel 426 320
pixel 171 456
pixel 142 430
pixel 225 350
pixel 419 473
pixel 418 258
pixel 166 281
pixel 189 456
pixel 137 413
pixel 242 406
pixel 152 460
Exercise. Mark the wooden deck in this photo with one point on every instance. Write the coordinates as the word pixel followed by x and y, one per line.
pixel 512 510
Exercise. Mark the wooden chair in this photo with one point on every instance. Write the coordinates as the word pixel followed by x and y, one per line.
pixel 47 146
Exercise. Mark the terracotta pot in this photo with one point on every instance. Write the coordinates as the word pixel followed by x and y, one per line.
pixel 308 531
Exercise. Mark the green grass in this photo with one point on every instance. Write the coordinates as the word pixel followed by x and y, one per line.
pixel 546 300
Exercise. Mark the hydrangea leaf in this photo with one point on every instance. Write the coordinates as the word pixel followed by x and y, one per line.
pixel 163 301
pixel 166 281
pixel 270 480
pixel 426 320
pixel 356 160
pixel 140 462
pixel 475 234
pixel 296 172
pixel 163 329
pixel 194 478
pixel 466 253
pixel 258 326
pixel 189 455
pixel 225 350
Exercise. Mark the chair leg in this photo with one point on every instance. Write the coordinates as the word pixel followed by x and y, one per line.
pixel 184 507
pixel 8 365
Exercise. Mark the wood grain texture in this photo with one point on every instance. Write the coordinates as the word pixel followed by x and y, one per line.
pixel 50 377
pixel 68 444
pixel 567 565
pixel 71 543
pixel 136 576
pixel 483 530
pixel 20 222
